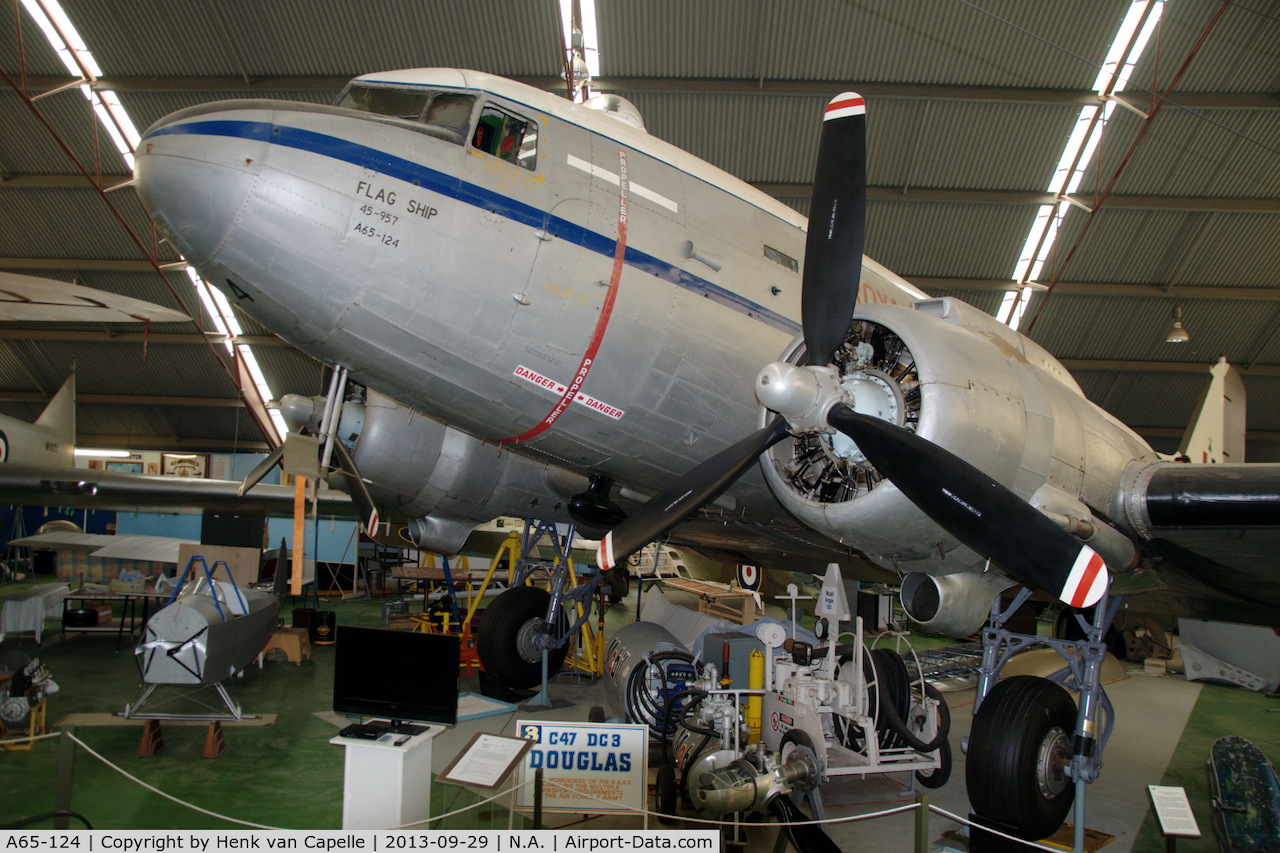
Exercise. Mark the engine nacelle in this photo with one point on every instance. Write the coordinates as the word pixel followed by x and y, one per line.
pixel 443 479
pixel 956 605
pixel 970 385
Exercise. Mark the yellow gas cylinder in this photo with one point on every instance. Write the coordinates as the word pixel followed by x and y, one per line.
pixel 755 681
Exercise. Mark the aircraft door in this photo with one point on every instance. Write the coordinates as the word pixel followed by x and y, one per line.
pixel 506 176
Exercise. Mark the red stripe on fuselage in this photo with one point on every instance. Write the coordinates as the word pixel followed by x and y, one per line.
pixel 602 322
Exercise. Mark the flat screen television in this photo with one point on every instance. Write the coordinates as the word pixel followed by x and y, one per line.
pixel 401 676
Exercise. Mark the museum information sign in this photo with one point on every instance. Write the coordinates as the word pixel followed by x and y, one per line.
pixel 588 768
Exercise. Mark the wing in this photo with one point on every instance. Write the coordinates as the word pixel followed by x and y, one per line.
pixel 1216 530
pixel 46 485
pixel 30 299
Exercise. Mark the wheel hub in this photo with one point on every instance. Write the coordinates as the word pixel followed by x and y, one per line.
pixel 1051 763
pixel 529 639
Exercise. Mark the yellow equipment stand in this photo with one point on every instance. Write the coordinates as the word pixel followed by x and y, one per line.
pixel 586 654
pixel 35 727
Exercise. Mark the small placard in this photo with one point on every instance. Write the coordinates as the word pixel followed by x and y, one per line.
pixel 1173 810
pixel 587 768
pixel 486 760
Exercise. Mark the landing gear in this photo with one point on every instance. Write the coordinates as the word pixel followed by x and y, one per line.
pixel 1031 751
pixel 1019 752
pixel 510 634
pixel 525 619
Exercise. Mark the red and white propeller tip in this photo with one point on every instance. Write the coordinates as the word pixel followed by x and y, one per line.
pixel 1087 581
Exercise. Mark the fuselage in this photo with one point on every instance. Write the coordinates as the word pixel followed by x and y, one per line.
pixel 530 271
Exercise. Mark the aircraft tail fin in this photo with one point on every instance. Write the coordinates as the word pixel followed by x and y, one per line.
pixel 59 417
pixel 1216 433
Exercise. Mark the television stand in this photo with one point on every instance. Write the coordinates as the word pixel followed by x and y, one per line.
pixel 385 785
pixel 402 728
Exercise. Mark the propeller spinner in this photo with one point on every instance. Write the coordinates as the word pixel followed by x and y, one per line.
pixel 983 514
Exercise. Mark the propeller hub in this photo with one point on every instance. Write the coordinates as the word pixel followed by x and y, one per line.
pixel 802 395
pixel 871 392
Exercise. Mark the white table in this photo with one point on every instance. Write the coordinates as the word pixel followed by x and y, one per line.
pixel 26 610
pixel 384 785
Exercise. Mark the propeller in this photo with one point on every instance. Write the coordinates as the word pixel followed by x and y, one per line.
pixel 970 505
pixel 301 412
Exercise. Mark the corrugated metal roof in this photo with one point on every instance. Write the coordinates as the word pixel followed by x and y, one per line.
pixel 1238 56
pixel 317 37
pixel 885 41
pixel 953 240
pixel 917 142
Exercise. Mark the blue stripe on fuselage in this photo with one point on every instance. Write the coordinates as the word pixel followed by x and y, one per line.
pixel 447 185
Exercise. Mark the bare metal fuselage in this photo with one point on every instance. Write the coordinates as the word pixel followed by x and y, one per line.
pixel 469 289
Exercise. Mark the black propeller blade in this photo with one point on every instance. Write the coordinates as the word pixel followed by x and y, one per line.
pixel 837 224
pixel 977 510
pixel 832 267
pixel 686 496
pixel 973 507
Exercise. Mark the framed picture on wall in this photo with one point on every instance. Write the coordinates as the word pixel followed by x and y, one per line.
pixel 125 467
pixel 184 464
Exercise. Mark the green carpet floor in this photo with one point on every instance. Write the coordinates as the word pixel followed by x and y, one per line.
pixel 286 774
pixel 1220 710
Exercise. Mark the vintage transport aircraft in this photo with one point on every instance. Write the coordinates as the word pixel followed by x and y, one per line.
pixel 546 312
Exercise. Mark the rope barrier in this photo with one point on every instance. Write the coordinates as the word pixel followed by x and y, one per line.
pixel 250 824
pixel 506 793
pixel 169 797
pixel 30 738
pixel 908 807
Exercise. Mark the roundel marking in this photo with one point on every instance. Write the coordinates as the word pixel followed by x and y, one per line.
pixel 4 447
pixel 749 577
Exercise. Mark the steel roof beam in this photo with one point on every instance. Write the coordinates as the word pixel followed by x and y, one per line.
pixel 1105 288
pixel 168 442
pixel 686 86
pixel 1102 364
pixel 125 400
pixel 153 339
pixel 1180 204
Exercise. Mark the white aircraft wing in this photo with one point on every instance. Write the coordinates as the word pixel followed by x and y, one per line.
pixel 28 299
pixel 49 485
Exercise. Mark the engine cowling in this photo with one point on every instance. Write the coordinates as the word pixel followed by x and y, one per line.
pixel 956 605
pixel 444 480
pixel 968 384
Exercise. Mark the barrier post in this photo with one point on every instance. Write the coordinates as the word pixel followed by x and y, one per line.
pixel 66 777
pixel 537 798
pixel 922 822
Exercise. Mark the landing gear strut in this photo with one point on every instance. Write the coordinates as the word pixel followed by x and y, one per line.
pixel 1031 751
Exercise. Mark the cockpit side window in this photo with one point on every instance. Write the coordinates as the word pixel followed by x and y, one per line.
pixel 507 136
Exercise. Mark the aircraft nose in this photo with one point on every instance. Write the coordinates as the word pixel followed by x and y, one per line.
pixel 195 170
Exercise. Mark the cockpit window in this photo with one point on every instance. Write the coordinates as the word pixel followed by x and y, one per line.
pixel 449 111
pixel 507 136
pixel 397 103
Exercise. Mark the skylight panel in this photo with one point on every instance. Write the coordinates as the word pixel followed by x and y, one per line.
pixel 1078 153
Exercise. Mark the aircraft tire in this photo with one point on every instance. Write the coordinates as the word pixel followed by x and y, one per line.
pixel 1022 730
pixel 507 629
